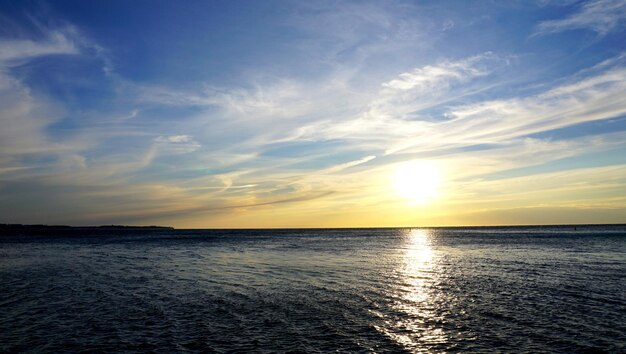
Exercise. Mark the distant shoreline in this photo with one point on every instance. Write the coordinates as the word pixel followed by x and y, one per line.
pixel 67 227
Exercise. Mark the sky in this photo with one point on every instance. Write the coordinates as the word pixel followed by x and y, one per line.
pixel 242 114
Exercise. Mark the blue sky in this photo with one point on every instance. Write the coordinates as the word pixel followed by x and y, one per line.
pixel 287 114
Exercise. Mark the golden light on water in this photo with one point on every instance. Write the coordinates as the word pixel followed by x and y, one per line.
pixel 418 264
pixel 417 181
pixel 415 296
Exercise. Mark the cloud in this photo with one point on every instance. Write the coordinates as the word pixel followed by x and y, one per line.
pixel 432 77
pixel 24 115
pixel 447 25
pixel 16 51
pixel 350 32
pixel 579 187
pixel 429 86
pixel 386 119
pixel 349 164
pixel 176 144
pixel 523 153
pixel 266 143
pixel 600 16
pixel 332 106
pixel 594 97
pixel 28 147
pixel 394 108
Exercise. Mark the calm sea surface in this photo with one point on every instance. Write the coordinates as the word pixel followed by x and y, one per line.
pixel 548 289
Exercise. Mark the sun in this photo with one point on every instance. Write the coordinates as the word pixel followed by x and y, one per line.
pixel 417 181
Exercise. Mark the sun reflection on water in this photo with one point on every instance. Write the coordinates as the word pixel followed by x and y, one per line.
pixel 414 296
pixel 418 265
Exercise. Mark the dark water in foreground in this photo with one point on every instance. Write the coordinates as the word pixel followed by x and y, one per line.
pixel 368 290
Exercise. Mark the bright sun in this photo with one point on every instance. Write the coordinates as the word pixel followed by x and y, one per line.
pixel 417 181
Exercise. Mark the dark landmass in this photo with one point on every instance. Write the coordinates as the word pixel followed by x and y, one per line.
pixel 41 227
pixel 20 232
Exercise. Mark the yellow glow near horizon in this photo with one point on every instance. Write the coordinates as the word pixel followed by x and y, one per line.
pixel 417 181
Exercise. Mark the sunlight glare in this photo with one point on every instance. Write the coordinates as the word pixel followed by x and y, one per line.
pixel 417 181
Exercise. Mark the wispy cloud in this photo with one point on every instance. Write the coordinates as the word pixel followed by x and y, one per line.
pixel 594 97
pixel 600 16
pixel 15 51
pixel 176 144
pixel 431 77
pixel 579 186
pixel 349 164
pixel 23 115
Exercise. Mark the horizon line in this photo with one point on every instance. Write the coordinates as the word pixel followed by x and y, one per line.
pixel 2 225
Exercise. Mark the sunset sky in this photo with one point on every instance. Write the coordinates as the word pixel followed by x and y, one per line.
pixel 312 113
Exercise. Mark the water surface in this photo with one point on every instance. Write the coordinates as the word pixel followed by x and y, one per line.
pixel 541 289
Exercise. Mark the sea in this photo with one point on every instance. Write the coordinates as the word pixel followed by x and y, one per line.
pixel 558 289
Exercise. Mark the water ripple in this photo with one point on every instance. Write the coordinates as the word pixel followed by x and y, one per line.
pixel 384 290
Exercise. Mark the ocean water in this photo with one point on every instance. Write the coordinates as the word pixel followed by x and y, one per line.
pixel 514 289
